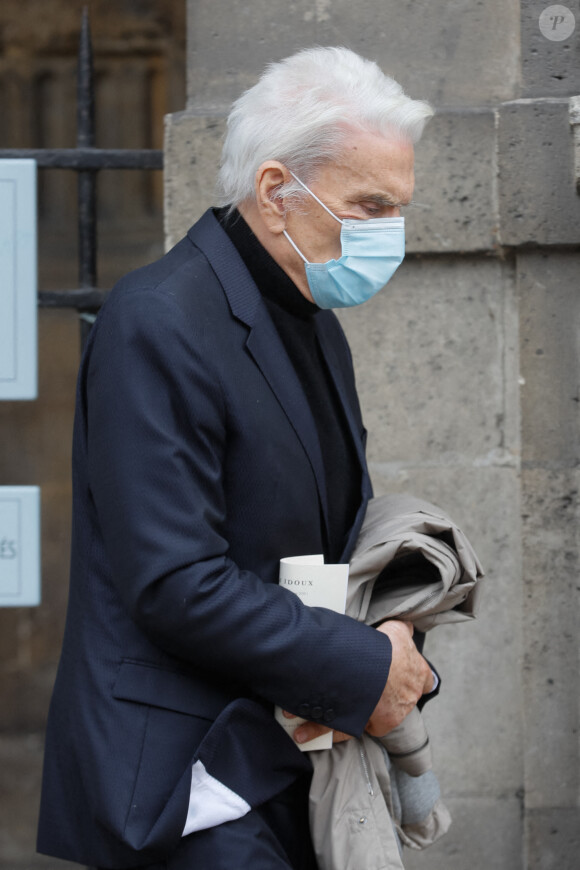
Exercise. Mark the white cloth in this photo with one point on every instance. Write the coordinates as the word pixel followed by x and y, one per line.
pixel 211 802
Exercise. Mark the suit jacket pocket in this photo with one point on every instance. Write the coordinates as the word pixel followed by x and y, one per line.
pixel 147 683
pixel 179 711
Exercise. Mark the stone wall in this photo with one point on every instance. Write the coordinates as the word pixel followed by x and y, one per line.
pixel 467 368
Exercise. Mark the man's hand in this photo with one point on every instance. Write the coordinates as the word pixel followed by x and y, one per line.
pixel 309 730
pixel 409 677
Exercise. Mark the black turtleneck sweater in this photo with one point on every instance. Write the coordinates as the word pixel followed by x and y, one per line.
pixel 294 318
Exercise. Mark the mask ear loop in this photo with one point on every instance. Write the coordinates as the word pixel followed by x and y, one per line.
pixel 319 201
pixel 295 246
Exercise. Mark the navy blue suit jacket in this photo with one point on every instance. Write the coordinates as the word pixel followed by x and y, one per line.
pixel 196 467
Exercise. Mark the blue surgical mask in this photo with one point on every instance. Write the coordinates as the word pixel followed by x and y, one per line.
pixel 371 251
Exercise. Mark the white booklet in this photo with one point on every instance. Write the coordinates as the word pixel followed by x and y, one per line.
pixel 317 585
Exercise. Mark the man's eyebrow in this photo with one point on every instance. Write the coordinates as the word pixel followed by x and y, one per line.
pixel 381 199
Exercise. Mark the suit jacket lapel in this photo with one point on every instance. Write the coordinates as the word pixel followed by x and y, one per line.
pixel 263 341
pixel 269 354
pixel 329 352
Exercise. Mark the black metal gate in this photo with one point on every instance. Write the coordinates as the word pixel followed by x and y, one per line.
pixel 86 160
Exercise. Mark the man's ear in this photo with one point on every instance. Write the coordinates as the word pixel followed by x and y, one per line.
pixel 270 176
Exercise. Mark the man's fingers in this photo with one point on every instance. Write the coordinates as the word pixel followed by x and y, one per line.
pixel 340 737
pixel 308 731
pixel 397 625
pixel 409 677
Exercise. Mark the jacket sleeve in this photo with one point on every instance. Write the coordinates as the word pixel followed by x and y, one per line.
pixel 156 441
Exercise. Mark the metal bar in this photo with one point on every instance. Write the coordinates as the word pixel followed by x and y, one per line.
pixel 86 177
pixel 85 88
pixel 88 158
pixel 83 299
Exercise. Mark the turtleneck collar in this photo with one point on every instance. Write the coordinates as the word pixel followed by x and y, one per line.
pixel 273 283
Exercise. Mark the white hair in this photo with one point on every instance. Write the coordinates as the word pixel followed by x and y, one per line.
pixel 301 111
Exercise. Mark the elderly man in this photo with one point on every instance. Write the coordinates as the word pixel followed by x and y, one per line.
pixel 218 430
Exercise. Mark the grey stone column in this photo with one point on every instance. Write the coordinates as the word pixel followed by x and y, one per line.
pixel 467 366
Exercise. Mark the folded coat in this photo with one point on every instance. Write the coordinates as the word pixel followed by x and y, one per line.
pixel 368 796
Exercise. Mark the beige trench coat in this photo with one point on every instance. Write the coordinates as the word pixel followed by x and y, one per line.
pixel 369 796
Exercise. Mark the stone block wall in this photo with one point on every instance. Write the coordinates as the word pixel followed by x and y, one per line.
pixel 467 366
